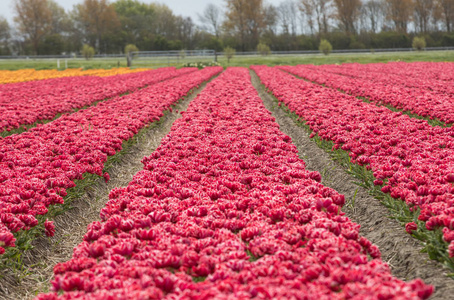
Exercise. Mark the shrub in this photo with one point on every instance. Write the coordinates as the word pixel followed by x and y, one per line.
pixel 325 47
pixel 419 43
pixel 229 52
pixel 263 49
pixel 87 51
pixel 201 64
pixel 128 49
pixel 357 45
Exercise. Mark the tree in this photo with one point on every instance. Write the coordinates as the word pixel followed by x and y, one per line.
pixel 445 9
pixel 128 49
pixel 185 30
pixel 33 19
pixel 57 39
pixel 245 19
pixel 98 19
pixel 320 10
pixel 287 14
pixel 307 10
pixel 60 21
pixel 423 14
pixel 136 19
pixel 88 52
pixel 399 12
pixel 374 11
pixel 347 13
pixel 210 42
pixel 131 48
pixel 165 21
pixel 271 18
pixel 4 35
pixel 211 17
pixel 229 52
pixel 4 29
pixel 325 47
pixel 53 44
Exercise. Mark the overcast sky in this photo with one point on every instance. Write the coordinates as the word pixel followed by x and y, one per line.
pixel 179 7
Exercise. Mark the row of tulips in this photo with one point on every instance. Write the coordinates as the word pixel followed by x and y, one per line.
pixel 7 76
pixel 420 70
pixel 108 72
pixel 411 159
pixel 421 102
pixel 29 102
pixel 384 75
pixel 38 166
pixel 225 209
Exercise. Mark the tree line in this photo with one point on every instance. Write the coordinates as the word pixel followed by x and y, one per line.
pixel 44 27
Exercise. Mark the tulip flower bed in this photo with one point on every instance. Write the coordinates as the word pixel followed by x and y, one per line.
pixel 55 96
pixel 224 209
pixel 32 74
pixel 420 102
pixel 441 71
pixel 108 72
pixel 38 166
pixel 385 75
pixel 405 158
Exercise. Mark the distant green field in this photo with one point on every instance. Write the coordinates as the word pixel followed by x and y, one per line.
pixel 317 59
pixel 43 64
pixel 245 61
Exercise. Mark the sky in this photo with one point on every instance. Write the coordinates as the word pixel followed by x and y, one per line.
pixel 186 8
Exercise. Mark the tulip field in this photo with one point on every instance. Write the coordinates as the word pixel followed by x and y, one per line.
pixel 24 75
pixel 410 159
pixel 59 95
pixel 225 207
pixel 39 165
pixel 417 91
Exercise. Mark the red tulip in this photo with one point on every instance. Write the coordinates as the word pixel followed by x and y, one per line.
pixel 411 227
pixel 49 228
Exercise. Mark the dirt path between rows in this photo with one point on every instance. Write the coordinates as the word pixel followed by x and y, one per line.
pixel 399 250
pixel 72 225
